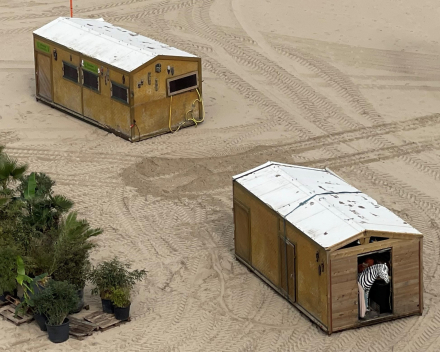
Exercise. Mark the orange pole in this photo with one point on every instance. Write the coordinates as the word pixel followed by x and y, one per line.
pixel 71 11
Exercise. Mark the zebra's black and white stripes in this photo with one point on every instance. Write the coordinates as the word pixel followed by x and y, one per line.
pixel 369 275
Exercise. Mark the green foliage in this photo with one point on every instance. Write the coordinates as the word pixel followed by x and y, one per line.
pixel 8 268
pixel 111 275
pixel 44 210
pixel 22 279
pixel 43 184
pixel 36 224
pixel 56 301
pixel 120 297
pixel 29 192
pixel 71 250
pixel 10 170
pixel 28 284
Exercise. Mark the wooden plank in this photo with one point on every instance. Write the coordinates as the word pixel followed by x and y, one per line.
pixel 329 294
pixel 346 320
pixel 346 313
pixel 104 321
pixel 408 291
pixel 283 270
pixel 393 235
pixel 341 279
pixel 344 271
pixel 403 272
pixel 370 247
pixel 81 328
pixel 242 228
pixel 402 278
pixel 344 243
pixel 342 305
pixel 345 287
pixel 344 294
pixel 8 313
pixel 291 279
pixel 409 257
pixel 409 301
pixel 406 280
pixel 3 309
pixel 405 266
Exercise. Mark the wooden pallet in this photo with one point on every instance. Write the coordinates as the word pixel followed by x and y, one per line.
pixel 80 328
pixel 8 313
pixel 103 320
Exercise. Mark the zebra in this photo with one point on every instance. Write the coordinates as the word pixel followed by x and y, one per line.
pixel 369 275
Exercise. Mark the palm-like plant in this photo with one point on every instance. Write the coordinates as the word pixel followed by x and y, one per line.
pixel 43 209
pixel 10 170
pixel 71 250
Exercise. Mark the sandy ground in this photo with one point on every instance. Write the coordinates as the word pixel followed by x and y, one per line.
pixel 354 86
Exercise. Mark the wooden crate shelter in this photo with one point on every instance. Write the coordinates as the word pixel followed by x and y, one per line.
pixel 304 231
pixel 121 81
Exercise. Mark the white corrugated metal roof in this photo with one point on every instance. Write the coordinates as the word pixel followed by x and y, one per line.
pixel 103 41
pixel 319 203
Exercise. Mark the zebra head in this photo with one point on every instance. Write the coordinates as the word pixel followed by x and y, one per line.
pixel 383 272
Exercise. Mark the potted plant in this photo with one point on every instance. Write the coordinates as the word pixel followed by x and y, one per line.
pixel 55 302
pixel 32 289
pixel 37 302
pixel 120 298
pixel 71 253
pixel 114 276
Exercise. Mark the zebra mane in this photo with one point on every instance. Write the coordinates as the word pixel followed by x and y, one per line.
pixel 370 274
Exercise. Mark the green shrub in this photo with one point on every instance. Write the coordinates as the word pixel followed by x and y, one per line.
pixel 8 268
pixel 71 251
pixel 111 275
pixel 56 301
pixel 35 225
pixel 120 297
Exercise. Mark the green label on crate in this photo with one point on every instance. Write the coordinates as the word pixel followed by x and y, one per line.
pixel 43 47
pixel 90 67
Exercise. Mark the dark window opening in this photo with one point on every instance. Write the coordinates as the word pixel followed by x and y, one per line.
pixel 352 244
pixel 380 298
pixel 378 239
pixel 182 84
pixel 120 93
pixel 70 72
pixel 90 80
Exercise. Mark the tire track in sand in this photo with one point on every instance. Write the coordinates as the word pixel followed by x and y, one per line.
pixel 314 106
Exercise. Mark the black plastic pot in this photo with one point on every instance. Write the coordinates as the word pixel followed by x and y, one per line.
pixel 80 303
pixel 7 293
pixel 41 321
pixel 58 333
pixel 122 313
pixel 107 306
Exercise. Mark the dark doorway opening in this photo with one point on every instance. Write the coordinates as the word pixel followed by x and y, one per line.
pixel 380 298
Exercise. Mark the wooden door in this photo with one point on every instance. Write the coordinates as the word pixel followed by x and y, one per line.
pixel 291 276
pixel 242 236
pixel 344 292
pixel 406 277
pixel 287 268
pixel 43 72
